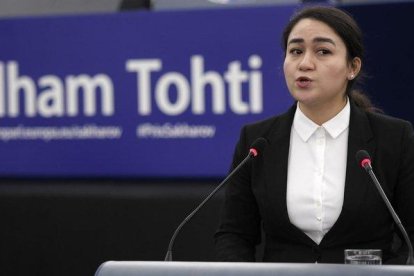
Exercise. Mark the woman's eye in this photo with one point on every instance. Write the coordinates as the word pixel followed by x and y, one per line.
pixel 323 52
pixel 295 51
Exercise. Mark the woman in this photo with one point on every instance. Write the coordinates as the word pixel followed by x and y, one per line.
pixel 306 192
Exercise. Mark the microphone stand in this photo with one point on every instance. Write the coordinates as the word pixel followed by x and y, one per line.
pixel 168 256
pixel 410 260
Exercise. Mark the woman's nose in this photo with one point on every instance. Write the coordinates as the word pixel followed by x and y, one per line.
pixel 306 63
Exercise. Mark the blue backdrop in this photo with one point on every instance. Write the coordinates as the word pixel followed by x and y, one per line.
pixel 163 94
pixel 136 94
pixel 389 55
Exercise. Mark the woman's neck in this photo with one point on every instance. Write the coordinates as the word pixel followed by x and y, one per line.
pixel 320 114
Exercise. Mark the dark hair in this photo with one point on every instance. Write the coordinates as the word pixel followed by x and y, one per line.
pixel 346 27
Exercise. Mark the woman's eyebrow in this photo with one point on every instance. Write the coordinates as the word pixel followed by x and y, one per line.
pixel 315 40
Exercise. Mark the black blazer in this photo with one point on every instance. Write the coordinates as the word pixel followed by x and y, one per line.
pixel 255 199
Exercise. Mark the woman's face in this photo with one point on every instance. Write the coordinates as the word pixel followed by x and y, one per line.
pixel 316 66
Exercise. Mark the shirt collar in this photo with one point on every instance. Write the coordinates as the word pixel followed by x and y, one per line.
pixel 305 127
pixel 339 123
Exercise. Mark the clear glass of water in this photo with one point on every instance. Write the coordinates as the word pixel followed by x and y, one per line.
pixel 363 256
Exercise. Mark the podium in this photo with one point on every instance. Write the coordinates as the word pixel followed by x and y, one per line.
pixel 156 268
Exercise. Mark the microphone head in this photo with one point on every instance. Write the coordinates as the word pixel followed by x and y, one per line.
pixel 258 146
pixel 363 159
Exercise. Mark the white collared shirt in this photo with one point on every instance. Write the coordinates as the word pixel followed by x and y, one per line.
pixel 316 172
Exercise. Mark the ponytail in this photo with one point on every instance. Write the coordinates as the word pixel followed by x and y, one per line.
pixel 363 101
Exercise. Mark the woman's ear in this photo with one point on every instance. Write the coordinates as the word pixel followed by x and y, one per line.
pixel 354 68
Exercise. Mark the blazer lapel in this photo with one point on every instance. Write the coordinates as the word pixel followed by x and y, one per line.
pixel 276 163
pixel 360 137
pixel 276 167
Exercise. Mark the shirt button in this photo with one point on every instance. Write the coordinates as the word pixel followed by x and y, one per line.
pixel 319 218
pixel 318 203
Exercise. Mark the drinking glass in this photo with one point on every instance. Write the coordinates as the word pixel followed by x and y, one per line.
pixel 363 256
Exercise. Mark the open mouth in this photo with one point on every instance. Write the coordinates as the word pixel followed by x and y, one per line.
pixel 303 82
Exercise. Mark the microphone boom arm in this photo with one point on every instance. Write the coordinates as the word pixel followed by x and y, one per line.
pixel 168 256
pixel 410 260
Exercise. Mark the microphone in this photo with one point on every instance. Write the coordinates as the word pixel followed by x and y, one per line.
pixel 255 150
pixel 364 160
